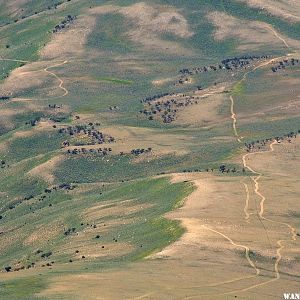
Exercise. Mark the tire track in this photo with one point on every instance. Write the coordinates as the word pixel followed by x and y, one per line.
pixel 247 250
pixel 255 179
pixel 278 36
pixel 16 60
pixel 143 296
pixel 261 213
pixel 247 215
pixel 257 190
pixel 247 256
pixel 234 120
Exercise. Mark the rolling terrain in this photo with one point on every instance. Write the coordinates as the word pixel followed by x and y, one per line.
pixel 149 150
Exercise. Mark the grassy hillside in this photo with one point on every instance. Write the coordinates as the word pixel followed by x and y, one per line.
pixel 99 98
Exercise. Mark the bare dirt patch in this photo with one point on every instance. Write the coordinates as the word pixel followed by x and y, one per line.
pixel 45 170
pixel 163 81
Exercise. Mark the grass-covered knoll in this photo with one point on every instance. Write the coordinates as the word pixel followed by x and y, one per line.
pixel 268 92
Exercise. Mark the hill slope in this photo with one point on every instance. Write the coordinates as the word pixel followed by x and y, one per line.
pixel 115 113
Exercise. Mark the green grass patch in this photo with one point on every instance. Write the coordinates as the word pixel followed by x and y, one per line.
pixel 145 229
pixel 28 147
pixel 239 88
pixel 109 34
pixel 22 288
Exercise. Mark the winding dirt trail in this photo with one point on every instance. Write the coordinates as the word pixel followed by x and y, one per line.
pixel 251 263
pixel 271 60
pixel 280 243
pixel 266 63
pixel 278 36
pixel 292 230
pixel 61 82
pixel 257 189
pixel 246 207
pixel 255 179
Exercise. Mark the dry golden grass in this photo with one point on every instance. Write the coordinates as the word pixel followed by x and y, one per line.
pixel 128 138
pixel 14 6
pixel 236 243
pixel 204 114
